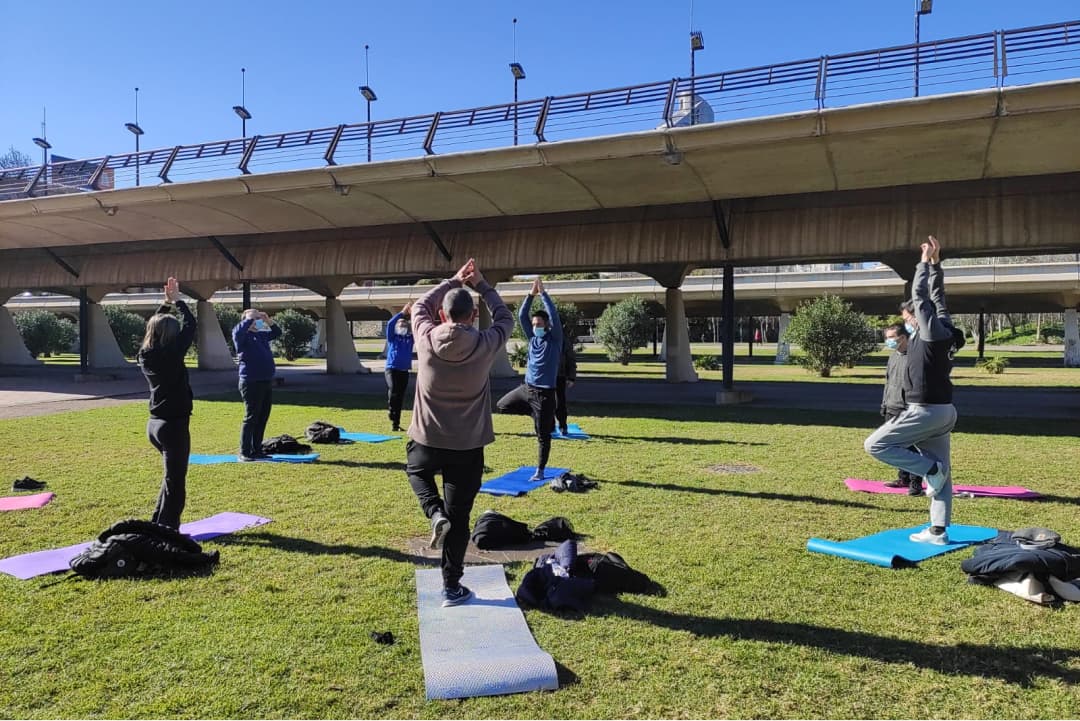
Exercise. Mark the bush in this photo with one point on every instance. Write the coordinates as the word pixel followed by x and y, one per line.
pixel 569 316
pixel 297 330
pixel 228 318
pixel 127 327
pixel 708 362
pixel 44 333
pixel 830 333
pixel 624 326
pixel 519 356
pixel 994 366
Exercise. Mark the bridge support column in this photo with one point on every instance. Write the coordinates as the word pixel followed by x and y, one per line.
pixel 102 350
pixel 1072 339
pixel 783 348
pixel 213 350
pixel 318 343
pixel 341 358
pixel 678 361
pixel 13 351
pixel 501 367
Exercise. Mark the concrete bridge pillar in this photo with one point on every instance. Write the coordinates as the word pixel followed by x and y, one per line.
pixel 783 348
pixel 501 367
pixel 102 350
pixel 318 343
pixel 679 361
pixel 1072 339
pixel 213 350
pixel 13 351
pixel 341 358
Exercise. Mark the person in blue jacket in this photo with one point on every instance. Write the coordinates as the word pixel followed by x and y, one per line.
pixel 252 337
pixel 399 351
pixel 537 396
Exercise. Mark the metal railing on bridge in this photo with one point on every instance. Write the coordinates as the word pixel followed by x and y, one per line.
pixel 1033 54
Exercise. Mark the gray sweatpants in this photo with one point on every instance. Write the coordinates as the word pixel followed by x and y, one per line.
pixel 927 428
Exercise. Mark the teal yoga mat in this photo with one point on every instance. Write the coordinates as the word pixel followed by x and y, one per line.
pixel 573 433
pixel 516 483
pixel 209 459
pixel 893 549
pixel 483 647
pixel 365 437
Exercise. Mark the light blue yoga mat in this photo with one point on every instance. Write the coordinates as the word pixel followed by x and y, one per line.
pixel 573 433
pixel 365 437
pixel 483 647
pixel 209 459
pixel 515 483
pixel 893 549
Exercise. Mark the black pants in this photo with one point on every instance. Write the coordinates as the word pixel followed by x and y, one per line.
pixel 397 382
pixel 461 472
pixel 903 476
pixel 173 441
pixel 527 400
pixel 560 401
pixel 258 398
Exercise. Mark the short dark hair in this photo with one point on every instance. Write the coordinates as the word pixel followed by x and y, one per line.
pixel 541 314
pixel 458 305
pixel 898 328
pixel 908 306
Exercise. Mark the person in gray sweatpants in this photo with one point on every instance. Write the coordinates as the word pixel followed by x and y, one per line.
pixel 930 415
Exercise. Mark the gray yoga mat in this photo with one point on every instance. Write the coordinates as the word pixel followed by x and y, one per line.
pixel 482 648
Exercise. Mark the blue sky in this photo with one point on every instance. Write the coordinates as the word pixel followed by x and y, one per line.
pixel 305 60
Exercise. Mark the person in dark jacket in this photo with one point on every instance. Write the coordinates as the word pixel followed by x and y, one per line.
pixel 252 337
pixel 399 351
pixel 161 360
pixel 536 397
pixel 930 415
pixel 566 378
pixel 892 399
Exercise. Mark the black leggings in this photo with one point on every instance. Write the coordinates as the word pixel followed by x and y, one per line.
pixel 527 400
pixel 258 398
pixel 397 382
pixel 173 440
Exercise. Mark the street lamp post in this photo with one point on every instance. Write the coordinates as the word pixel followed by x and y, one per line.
pixel 369 97
pixel 241 109
pixel 45 146
pixel 697 42
pixel 519 74
pixel 924 7
pixel 137 132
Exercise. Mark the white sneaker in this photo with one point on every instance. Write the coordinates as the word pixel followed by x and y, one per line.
pixel 925 536
pixel 440 526
pixel 936 481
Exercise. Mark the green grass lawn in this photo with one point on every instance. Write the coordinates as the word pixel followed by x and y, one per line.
pixel 752 625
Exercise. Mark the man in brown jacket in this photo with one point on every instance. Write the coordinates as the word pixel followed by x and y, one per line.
pixel 451 420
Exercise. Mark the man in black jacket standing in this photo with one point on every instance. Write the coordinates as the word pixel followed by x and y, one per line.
pixel 930 415
pixel 892 398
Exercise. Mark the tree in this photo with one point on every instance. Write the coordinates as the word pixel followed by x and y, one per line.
pixel 128 328
pixel 624 326
pixel 44 333
pixel 830 333
pixel 228 318
pixel 15 158
pixel 297 330
pixel 569 316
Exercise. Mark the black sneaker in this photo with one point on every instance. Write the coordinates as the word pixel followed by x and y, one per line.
pixel 538 476
pixel 564 430
pixel 440 526
pixel 251 459
pixel 915 489
pixel 456 596
pixel 26 483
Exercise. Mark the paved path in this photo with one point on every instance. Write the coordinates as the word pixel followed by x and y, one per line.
pixel 54 390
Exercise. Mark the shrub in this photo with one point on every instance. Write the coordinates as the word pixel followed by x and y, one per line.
pixel 228 318
pixel 994 366
pixel 708 362
pixel 519 356
pixel 830 333
pixel 297 330
pixel 128 328
pixel 624 326
pixel 44 333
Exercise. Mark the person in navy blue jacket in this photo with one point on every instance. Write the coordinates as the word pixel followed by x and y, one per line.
pixel 161 360
pixel 399 351
pixel 252 337
pixel 537 396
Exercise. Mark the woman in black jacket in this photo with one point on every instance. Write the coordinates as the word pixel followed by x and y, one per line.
pixel 161 359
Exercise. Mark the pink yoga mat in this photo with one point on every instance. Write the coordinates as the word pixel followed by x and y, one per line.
pixel 1018 492
pixel 18 503
pixel 38 563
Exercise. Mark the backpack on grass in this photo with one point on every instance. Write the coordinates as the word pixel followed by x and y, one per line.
pixel 133 549
pixel 323 432
pixel 284 444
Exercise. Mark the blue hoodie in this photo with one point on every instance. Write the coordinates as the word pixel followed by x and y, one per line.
pixel 253 351
pixel 544 353
pixel 398 347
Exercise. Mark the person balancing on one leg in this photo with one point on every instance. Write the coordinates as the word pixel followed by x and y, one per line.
pixel 930 415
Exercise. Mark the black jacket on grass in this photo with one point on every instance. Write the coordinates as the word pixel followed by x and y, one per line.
pixel 170 390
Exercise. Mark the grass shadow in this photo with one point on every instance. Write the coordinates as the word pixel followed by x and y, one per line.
pixel 315 548
pixel 675 439
pixel 382 465
pixel 766 496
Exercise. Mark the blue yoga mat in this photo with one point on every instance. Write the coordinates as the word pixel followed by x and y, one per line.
pixel 481 648
pixel 515 483
pixel 573 433
pixel 365 437
pixel 209 459
pixel 893 549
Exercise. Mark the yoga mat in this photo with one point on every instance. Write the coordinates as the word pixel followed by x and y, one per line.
pixel 38 563
pixel 209 459
pixel 516 483
pixel 1019 492
pixel 573 433
pixel 365 437
pixel 481 648
pixel 893 549
pixel 18 503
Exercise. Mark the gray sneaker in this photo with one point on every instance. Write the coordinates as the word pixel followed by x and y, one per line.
pixel 440 526
pixel 456 596
pixel 936 481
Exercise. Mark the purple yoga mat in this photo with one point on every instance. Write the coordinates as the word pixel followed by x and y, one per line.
pixel 18 503
pixel 1018 492
pixel 29 565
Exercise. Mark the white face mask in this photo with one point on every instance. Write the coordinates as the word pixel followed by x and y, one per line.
pixel 401 329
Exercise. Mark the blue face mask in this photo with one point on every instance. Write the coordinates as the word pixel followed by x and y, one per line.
pixel 539 332
pixel 891 343
pixel 260 324
pixel 910 328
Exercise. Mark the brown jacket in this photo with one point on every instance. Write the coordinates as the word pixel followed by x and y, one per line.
pixel 452 408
